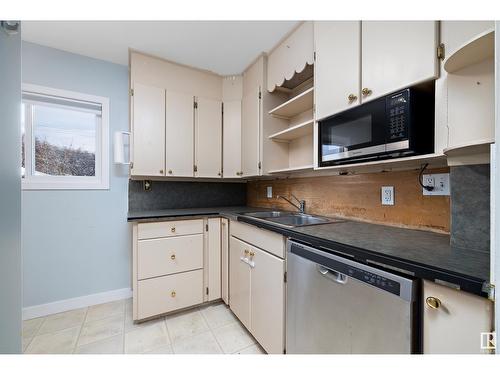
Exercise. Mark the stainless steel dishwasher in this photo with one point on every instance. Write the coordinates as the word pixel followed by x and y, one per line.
pixel 338 306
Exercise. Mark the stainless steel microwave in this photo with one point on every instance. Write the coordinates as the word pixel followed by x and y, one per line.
pixel 397 125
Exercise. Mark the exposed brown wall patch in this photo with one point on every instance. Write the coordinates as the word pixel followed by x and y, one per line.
pixel 358 197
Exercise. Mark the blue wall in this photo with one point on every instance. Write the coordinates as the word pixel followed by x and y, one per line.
pixel 10 194
pixel 77 243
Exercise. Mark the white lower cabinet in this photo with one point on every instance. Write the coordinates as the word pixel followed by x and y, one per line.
pixel 176 264
pixel 454 320
pixel 257 291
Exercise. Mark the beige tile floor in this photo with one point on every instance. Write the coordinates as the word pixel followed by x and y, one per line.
pixel 109 329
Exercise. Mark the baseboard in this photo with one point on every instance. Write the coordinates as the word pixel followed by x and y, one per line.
pixel 75 303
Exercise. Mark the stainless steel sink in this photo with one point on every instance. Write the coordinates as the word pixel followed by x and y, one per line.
pixel 290 219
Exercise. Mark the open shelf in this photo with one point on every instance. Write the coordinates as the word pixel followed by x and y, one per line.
pixel 474 51
pixel 294 132
pixel 296 105
pixel 292 169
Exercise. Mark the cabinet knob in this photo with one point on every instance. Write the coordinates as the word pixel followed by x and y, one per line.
pixel 219 174
pixel 172 229
pixel 169 171
pixel 352 98
pixel 366 91
pixel 252 253
pixel 161 171
pixel 247 251
pixel 433 302
pixel 172 294
pixel 172 257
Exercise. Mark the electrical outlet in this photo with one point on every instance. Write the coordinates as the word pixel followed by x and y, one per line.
pixel 269 191
pixel 388 195
pixel 439 181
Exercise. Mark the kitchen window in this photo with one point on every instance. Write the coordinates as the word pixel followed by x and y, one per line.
pixel 64 140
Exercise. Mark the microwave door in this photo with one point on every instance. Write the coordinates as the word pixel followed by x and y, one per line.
pixel 351 138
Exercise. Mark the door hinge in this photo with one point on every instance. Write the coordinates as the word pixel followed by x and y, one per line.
pixel 195 105
pixel 260 165
pixel 440 51
pixel 195 168
pixel 206 291
pixel 222 108
pixel 206 227
pixel 285 277
pixel 131 92
pixel 131 165
pixel 260 95
pixel 314 56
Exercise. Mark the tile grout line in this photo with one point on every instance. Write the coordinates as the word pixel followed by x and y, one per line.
pixel 80 331
pixel 168 335
pixel 213 333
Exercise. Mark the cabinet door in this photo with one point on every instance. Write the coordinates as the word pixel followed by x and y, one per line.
pixel 397 54
pixel 179 134
pixel 239 281
pixel 208 138
pixel 225 260
pixel 250 133
pixel 455 326
pixel 214 258
pixel 231 149
pixel 268 301
pixel 148 127
pixel 338 66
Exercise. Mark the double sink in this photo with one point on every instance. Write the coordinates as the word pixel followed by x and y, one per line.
pixel 289 219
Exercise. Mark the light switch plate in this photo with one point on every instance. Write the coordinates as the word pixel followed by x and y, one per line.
pixel 387 195
pixel 439 181
pixel 269 191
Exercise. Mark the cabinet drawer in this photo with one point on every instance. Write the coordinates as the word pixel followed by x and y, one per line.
pixel 169 228
pixel 164 256
pixel 264 239
pixel 168 293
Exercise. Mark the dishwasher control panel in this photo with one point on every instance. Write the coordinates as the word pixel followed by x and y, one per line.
pixel 381 282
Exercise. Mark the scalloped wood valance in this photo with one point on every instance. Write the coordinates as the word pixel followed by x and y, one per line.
pixel 291 56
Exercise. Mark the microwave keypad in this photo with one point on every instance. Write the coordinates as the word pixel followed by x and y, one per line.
pixel 397 118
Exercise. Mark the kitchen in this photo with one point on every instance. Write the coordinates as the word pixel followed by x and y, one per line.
pixel 322 191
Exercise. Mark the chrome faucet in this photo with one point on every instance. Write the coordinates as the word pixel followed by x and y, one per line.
pixel 301 206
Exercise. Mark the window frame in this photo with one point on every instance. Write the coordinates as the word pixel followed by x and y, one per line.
pixel 101 179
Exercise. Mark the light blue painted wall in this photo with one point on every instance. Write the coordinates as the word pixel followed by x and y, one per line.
pixel 77 243
pixel 10 193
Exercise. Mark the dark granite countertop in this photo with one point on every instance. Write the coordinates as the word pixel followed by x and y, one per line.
pixel 231 212
pixel 424 254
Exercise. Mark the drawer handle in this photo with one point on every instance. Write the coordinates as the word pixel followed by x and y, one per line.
pixel 172 257
pixel 433 302
pixel 252 253
pixel 172 294
pixel 172 229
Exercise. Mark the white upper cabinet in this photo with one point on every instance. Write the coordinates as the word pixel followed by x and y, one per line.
pixel 232 139
pixel 397 54
pixel 179 125
pixel 208 138
pixel 148 129
pixel 232 92
pixel 290 56
pixel 337 67
pixel 250 133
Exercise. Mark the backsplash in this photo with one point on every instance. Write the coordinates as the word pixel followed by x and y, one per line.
pixel 470 206
pixel 181 194
pixel 358 197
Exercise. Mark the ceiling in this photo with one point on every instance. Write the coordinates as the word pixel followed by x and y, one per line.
pixel 224 47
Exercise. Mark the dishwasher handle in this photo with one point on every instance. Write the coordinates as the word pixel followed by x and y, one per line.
pixel 330 274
